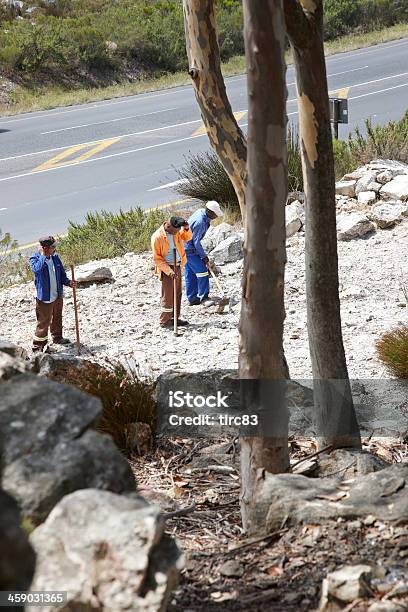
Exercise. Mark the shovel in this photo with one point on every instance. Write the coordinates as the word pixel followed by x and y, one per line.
pixel 224 300
pixel 175 330
pixel 78 343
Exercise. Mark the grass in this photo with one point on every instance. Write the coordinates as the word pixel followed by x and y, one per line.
pixel 104 235
pixel 125 397
pixel 392 350
pixel 26 100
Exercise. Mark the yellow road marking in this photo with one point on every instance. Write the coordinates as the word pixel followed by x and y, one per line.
pixel 62 158
pixel 340 93
pixel 201 130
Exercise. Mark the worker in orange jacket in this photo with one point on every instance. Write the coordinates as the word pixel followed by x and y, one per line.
pixel 168 237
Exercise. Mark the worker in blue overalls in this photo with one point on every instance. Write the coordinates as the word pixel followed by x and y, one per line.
pixel 196 270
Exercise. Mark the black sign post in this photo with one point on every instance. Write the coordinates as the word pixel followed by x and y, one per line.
pixel 338 113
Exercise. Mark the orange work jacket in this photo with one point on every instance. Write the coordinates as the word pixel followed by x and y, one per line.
pixel 161 246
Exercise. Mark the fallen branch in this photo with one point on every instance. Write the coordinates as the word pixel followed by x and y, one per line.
pixel 232 551
pixel 319 452
pixel 181 512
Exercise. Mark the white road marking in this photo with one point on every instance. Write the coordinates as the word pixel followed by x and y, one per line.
pixel 371 93
pixel 173 184
pixel 3 209
pixel 146 96
pixel 243 76
pixel 75 127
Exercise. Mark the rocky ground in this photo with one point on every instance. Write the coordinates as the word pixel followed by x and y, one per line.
pixel 120 320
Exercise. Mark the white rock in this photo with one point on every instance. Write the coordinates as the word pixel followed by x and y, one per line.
pixel 346 188
pixel 353 225
pixel 397 189
pixel 215 235
pixel 293 220
pixel 363 183
pixel 395 167
pixel 349 582
pixel 228 250
pixel 366 197
pixel 388 214
pixel 93 274
pixel 374 186
pixel 101 547
pixel 384 177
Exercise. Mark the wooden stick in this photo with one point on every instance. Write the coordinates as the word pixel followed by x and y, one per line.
pixel 75 311
pixel 175 293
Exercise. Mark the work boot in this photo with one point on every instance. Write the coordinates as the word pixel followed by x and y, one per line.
pixel 194 302
pixel 182 323
pixel 206 301
pixel 61 341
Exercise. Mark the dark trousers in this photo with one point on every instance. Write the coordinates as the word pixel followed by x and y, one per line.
pixel 167 293
pixel 49 316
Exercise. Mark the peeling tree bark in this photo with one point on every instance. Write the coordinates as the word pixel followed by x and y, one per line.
pixel 335 415
pixel 225 135
pixel 261 355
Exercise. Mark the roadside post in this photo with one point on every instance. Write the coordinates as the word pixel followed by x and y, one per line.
pixel 338 103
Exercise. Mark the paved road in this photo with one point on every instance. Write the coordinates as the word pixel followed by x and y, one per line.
pixel 57 165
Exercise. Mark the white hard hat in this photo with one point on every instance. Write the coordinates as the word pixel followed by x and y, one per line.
pixel 215 208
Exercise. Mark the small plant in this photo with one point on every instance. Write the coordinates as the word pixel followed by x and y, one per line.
pixel 204 178
pixel 392 349
pixel 125 397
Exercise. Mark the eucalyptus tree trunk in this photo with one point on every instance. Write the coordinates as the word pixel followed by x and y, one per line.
pixel 335 416
pixel 203 53
pixel 261 357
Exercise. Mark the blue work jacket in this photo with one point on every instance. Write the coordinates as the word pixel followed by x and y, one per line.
pixel 38 264
pixel 199 223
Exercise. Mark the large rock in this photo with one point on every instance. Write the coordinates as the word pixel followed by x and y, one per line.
pixel 354 225
pixel 293 218
pixel 396 168
pixel 228 250
pixel 227 384
pixel 346 584
pixel 12 349
pixel 108 552
pixel 215 235
pixel 298 499
pixel 346 188
pixel 50 447
pixel 388 214
pixel 92 274
pixel 10 366
pixel 366 197
pixel 17 558
pixel 56 366
pixel 397 189
pixel 364 182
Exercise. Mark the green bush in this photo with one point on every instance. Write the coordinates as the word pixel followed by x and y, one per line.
pixel 14 268
pixel 389 141
pixel 346 16
pixel 344 160
pixel 392 349
pixel 125 397
pixel 106 234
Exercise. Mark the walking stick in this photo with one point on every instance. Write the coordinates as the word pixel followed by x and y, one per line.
pixel 175 293
pixel 75 311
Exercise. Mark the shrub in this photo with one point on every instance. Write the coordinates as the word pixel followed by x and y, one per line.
pixel 106 234
pixel 204 178
pixel 295 175
pixel 392 349
pixel 14 268
pixel 125 397
pixel 344 160
pixel 389 141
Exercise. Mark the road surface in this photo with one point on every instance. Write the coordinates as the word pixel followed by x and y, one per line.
pixel 57 165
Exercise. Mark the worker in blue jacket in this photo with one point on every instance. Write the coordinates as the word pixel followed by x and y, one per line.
pixel 196 269
pixel 50 278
